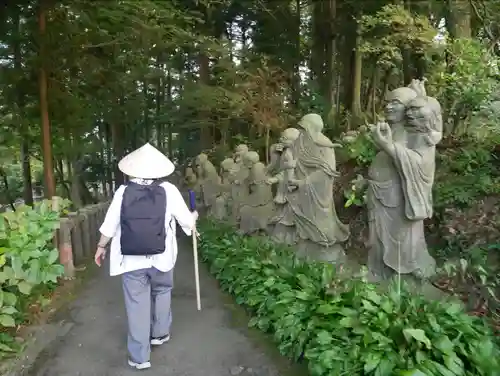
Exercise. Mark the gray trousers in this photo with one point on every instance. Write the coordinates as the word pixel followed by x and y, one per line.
pixel 147 301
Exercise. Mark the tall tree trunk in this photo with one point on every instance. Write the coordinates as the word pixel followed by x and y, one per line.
pixel 48 168
pixel 459 18
pixel 297 58
pixel 205 131
pixel 356 109
pixel 317 53
pixel 170 106
pixel 104 157
pixel 109 157
pixel 330 54
pixel 25 148
pixel 118 151
pixel 5 182
pixel 147 130
pixel 158 100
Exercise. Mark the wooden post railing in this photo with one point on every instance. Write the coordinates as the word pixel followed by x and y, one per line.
pixel 77 237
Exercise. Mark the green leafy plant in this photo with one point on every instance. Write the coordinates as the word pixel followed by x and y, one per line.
pixel 359 146
pixel 474 278
pixel 28 260
pixel 341 324
pixel 465 174
pixel 464 82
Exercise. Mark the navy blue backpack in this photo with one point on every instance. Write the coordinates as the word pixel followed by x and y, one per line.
pixel 143 219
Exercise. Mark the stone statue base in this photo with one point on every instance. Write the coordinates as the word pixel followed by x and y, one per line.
pixel 334 254
pixel 415 285
pixel 380 271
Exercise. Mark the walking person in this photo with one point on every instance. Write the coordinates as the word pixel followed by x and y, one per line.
pixel 141 224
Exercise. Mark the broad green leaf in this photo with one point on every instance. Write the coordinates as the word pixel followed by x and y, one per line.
pixel 444 344
pixel 9 299
pixel 384 368
pixel 418 335
pixel 324 338
pixel 5 348
pixel 52 256
pixel 372 361
pixel 24 287
pixel 7 321
pixel 8 310
pixel 414 372
pixel 17 266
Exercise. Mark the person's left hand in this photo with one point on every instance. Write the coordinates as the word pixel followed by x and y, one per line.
pixel 100 255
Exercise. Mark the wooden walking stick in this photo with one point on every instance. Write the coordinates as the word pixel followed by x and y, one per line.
pixel 192 206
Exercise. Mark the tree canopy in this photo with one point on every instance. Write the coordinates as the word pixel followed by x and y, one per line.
pixel 84 82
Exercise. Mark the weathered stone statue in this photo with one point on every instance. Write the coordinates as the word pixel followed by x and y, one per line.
pixel 239 152
pixel 284 162
pixel 258 207
pixel 400 180
pixel 190 178
pixel 239 191
pixel 222 206
pixel 274 159
pixel 208 181
pixel 309 218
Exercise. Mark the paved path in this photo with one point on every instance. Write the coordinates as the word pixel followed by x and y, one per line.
pixel 206 343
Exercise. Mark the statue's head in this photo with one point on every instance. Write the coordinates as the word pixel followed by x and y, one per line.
pixel 258 172
pixel 312 123
pixel 227 165
pixel 239 151
pixel 424 117
pixel 250 158
pixel 199 163
pixel 396 102
pixel 288 136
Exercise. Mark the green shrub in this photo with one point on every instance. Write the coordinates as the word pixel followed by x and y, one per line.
pixel 359 146
pixel 28 262
pixel 465 174
pixel 345 326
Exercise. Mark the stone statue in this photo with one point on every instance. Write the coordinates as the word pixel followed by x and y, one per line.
pixel 258 207
pixel 208 181
pixel 239 152
pixel 285 164
pixel 190 178
pixel 400 179
pixel 222 206
pixel 274 159
pixel 309 217
pixel 239 191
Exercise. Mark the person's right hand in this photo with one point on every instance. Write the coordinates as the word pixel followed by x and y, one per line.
pixel 195 215
pixel 100 254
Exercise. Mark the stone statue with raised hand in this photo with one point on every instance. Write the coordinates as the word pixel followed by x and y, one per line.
pixel 208 180
pixel 400 179
pixel 190 178
pixel 239 191
pixel 258 207
pixel 309 218
pixel 223 202
pixel 284 165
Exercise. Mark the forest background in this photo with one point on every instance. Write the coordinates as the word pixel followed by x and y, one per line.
pixel 85 82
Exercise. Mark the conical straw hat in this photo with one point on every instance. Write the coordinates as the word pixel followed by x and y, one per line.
pixel 147 162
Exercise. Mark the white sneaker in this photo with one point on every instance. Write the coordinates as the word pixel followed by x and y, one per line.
pixel 160 340
pixel 139 366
